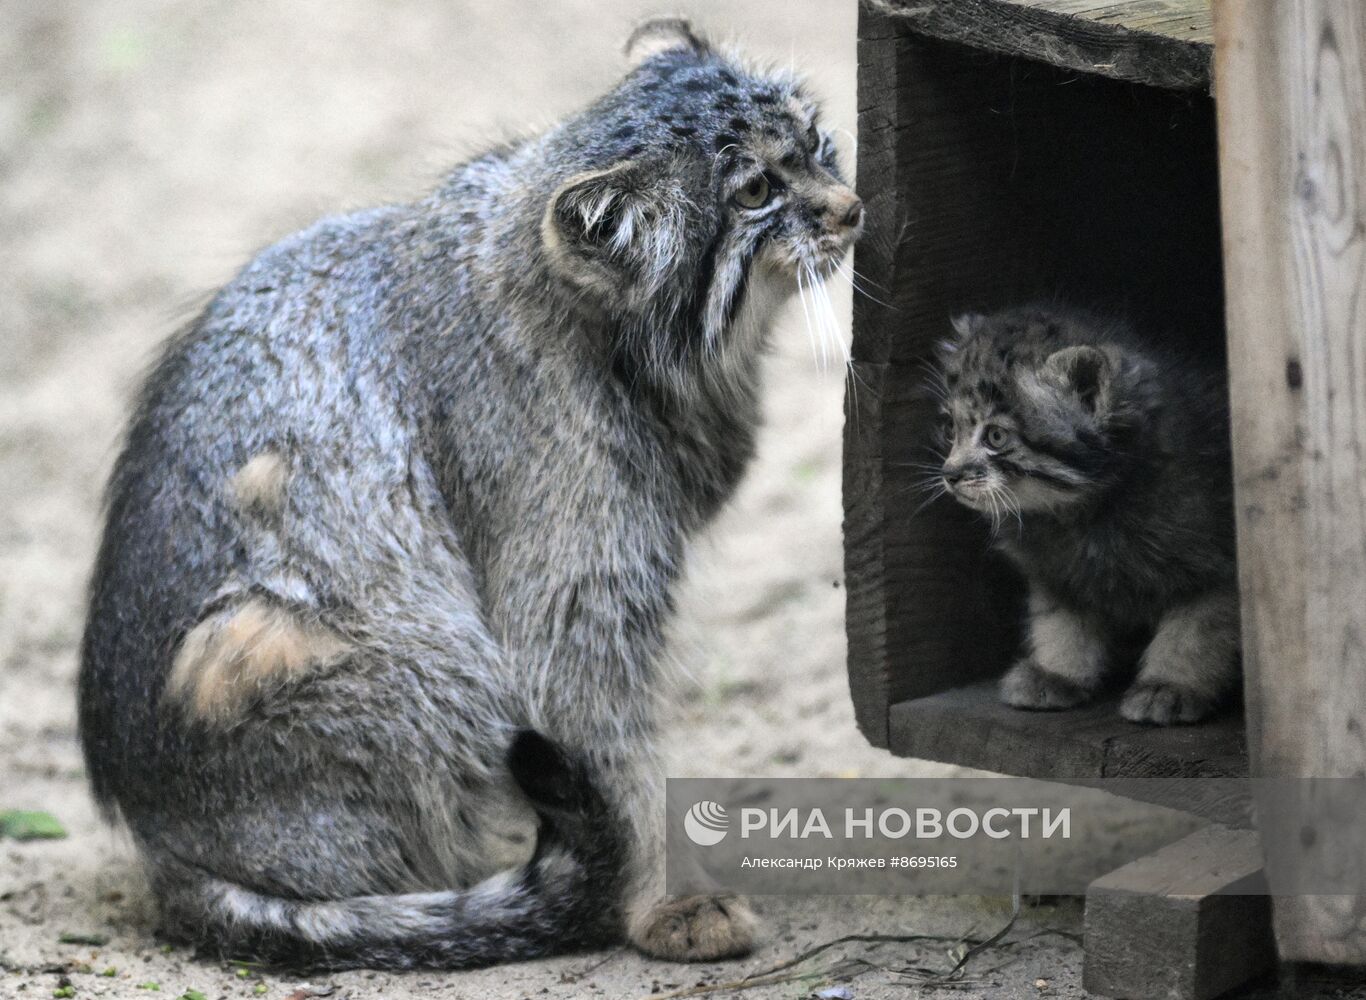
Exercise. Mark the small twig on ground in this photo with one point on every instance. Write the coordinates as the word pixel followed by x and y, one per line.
pixel 977 949
pixel 574 977
pixel 849 939
pixel 773 975
pixel 918 975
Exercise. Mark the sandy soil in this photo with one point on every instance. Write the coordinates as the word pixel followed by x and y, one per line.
pixel 146 148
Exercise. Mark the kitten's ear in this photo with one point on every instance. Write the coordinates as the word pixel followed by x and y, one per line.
pixel 663 34
pixel 966 324
pixel 1085 371
pixel 610 230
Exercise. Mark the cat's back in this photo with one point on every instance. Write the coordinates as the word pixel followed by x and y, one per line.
pixel 291 363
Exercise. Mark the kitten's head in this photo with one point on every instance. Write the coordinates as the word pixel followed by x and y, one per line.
pixel 696 188
pixel 1031 421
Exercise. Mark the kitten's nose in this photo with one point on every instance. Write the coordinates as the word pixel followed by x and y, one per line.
pixel 953 476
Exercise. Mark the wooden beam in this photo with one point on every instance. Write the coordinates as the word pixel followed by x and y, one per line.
pixel 1162 43
pixel 1188 922
pixel 1291 88
pixel 1092 744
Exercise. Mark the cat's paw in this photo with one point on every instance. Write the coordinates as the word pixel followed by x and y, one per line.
pixel 696 929
pixel 1026 685
pixel 1161 703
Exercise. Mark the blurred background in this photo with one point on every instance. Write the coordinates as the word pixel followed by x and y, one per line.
pixel 147 149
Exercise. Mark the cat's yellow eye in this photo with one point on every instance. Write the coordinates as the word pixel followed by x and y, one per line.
pixel 755 194
pixel 997 437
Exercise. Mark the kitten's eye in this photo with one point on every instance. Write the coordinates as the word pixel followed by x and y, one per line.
pixel 997 437
pixel 755 194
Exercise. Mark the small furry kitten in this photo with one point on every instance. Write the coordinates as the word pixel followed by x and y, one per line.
pixel 391 546
pixel 1104 464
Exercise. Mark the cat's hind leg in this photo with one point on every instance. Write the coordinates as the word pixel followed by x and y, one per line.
pixel 1191 666
pixel 1068 657
pixel 693 928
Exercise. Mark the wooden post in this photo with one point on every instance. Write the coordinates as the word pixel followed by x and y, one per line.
pixel 1290 83
pixel 1185 923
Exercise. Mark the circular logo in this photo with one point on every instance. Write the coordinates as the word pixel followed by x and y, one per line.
pixel 706 824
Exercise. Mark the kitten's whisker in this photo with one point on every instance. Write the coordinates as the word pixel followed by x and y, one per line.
pixel 928 482
pixel 934 467
pixel 934 380
pixel 1012 504
pixel 991 496
pixel 922 482
pixel 942 491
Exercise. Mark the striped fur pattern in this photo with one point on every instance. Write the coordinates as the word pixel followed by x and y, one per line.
pixel 421 477
pixel 1102 460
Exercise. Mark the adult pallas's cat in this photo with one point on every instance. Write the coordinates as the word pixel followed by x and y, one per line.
pixel 421 478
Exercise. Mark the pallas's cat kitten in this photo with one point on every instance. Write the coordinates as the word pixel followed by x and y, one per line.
pixel 422 478
pixel 1103 462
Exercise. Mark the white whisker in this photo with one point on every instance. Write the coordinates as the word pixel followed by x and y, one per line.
pixel 806 315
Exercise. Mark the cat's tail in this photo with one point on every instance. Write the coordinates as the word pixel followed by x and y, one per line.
pixel 567 896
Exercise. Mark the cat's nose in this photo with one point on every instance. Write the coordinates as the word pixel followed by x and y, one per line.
pixel 854 214
pixel 846 210
pixel 953 476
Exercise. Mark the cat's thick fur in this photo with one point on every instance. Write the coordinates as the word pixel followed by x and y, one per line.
pixel 421 477
pixel 1103 459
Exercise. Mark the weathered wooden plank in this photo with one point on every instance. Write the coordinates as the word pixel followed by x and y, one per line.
pixel 1092 744
pixel 1162 43
pixel 865 566
pixel 918 588
pixel 1182 923
pixel 1184 20
pixel 879 58
pixel 1292 128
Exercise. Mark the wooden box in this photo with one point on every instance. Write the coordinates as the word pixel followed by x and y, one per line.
pixel 1017 150
pixel 994 178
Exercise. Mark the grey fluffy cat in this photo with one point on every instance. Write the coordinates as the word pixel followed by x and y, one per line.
pixel 390 548
pixel 1103 460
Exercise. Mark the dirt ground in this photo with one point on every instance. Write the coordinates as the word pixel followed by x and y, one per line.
pixel 146 148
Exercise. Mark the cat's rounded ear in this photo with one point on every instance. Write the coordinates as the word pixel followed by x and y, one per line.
pixel 1086 372
pixel 663 34
pixel 966 324
pixel 610 231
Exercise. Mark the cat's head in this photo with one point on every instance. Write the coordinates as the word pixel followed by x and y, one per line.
pixel 697 187
pixel 1030 415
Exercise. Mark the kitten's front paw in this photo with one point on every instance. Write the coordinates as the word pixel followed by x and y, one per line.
pixel 696 929
pixel 1162 703
pixel 1026 685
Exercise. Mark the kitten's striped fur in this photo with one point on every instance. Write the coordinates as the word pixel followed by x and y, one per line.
pixel 1102 459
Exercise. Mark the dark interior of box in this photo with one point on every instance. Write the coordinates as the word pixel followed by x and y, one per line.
pixel 1018 182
